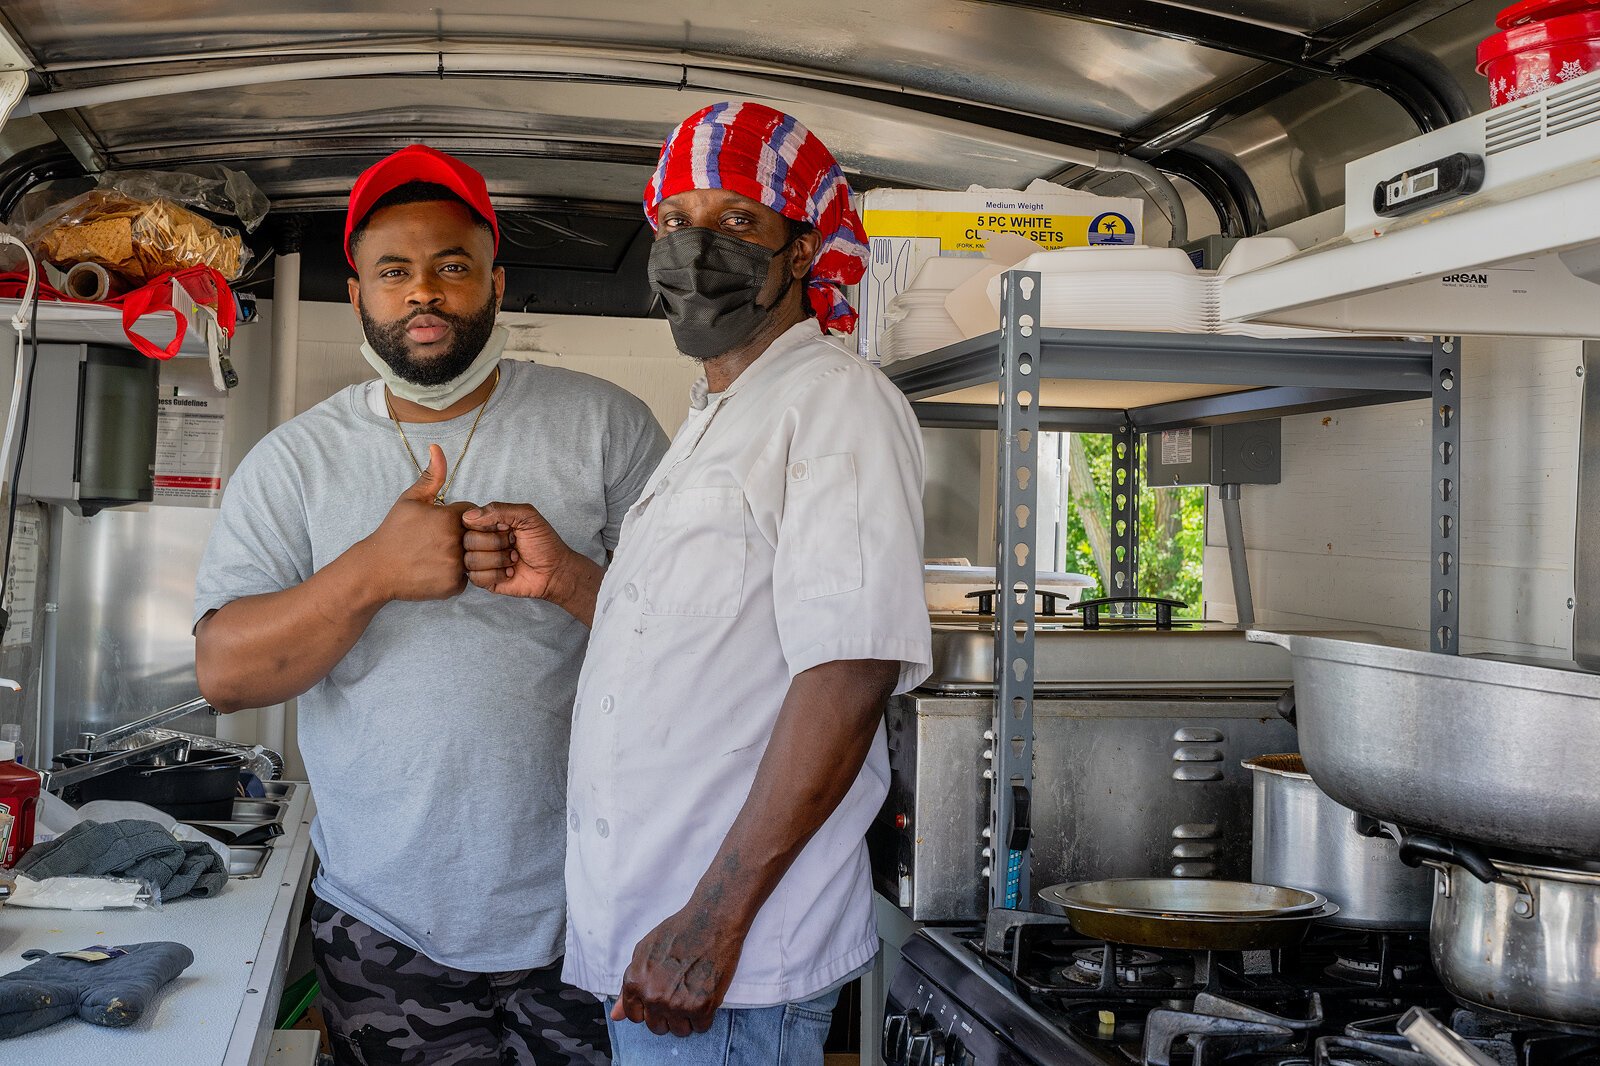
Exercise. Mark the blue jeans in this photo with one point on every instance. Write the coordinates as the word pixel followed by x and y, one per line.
pixel 787 1035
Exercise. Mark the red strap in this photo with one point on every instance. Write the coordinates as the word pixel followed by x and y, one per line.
pixel 146 300
pixel 203 285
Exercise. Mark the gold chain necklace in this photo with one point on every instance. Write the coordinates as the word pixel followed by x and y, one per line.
pixel 438 500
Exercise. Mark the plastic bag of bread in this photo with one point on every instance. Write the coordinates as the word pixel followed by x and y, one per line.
pixel 136 239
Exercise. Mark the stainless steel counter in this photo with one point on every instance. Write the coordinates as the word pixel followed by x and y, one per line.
pixel 223 1007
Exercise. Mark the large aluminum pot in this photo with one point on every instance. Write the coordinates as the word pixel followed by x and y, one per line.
pixel 1302 838
pixel 1501 752
pixel 1528 943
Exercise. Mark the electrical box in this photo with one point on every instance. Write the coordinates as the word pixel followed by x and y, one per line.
pixel 1207 253
pixel 1247 453
pixel 91 440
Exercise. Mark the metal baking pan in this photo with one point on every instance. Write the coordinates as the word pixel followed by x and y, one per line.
pixel 1156 913
pixel 256 811
pixel 1191 655
pixel 1195 897
pixel 245 863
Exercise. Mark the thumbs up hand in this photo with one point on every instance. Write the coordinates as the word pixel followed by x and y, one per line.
pixel 416 551
pixel 426 489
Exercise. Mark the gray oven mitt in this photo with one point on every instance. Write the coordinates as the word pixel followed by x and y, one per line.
pixel 129 848
pixel 114 992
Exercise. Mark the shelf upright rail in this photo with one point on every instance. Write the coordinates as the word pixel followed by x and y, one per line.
pixel 1444 635
pixel 1009 755
pixel 1125 516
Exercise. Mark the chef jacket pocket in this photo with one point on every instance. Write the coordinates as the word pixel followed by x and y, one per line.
pixel 822 526
pixel 696 564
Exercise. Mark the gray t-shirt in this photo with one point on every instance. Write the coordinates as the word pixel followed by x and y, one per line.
pixel 437 748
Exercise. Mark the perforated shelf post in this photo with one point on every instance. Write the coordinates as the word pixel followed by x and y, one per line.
pixel 1125 517
pixel 1445 559
pixel 1009 755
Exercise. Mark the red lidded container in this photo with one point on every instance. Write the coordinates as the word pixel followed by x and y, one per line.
pixel 1546 42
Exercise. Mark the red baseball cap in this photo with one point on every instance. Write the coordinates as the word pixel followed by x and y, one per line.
pixel 417 162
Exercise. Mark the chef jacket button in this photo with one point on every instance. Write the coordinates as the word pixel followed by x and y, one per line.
pixel 606 704
pixel 601 827
pixel 572 821
pixel 607 605
pixel 661 487
pixel 799 471
pixel 631 591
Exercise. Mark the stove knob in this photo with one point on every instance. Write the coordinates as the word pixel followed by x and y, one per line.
pixel 900 1053
pixel 922 1048
pixel 894 1038
pixel 955 1053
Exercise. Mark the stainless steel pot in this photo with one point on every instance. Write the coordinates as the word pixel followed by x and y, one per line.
pixel 1302 838
pixel 1495 751
pixel 1527 943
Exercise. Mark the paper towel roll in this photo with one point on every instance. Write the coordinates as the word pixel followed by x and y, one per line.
pixel 88 281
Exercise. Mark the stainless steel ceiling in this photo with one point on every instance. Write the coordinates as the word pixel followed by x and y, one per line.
pixel 1295 147
pixel 502 120
pixel 939 93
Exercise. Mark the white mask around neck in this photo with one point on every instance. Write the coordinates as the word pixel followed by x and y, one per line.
pixel 438 397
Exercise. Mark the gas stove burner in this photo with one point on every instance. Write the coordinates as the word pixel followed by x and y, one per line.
pixel 1381 961
pixel 1132 968
pixel 1376 972
pixel 1480 1021
pixel 1220 1029
pixel 1504 1040
pixel 1378 1042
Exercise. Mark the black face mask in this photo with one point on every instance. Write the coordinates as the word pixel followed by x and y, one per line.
pixel 708 283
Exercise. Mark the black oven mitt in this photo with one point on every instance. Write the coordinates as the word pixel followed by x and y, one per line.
pixel 112 991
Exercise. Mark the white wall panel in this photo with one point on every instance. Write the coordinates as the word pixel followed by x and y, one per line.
pixel 1345 537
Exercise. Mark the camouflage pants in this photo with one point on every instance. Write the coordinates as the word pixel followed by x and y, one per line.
pixel 387 1005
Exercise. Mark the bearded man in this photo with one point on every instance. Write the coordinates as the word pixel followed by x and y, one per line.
pixel 434 716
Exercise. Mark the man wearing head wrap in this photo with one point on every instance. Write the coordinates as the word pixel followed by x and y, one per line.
pixel 765 600
pixel 433 717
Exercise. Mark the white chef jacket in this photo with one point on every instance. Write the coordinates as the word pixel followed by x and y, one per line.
pixel 782 530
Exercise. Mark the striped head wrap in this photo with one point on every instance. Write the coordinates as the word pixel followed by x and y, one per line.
pixel 766 155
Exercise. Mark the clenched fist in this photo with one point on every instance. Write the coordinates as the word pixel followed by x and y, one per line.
pixel 512 550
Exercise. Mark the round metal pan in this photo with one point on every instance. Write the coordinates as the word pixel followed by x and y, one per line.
pixel 1131 911
pixel 1221 899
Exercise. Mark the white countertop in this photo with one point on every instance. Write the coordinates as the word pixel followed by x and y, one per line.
pixel 223 1008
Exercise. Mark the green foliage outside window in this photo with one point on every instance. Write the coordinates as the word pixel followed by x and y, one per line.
pixel 1172 528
